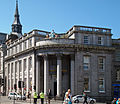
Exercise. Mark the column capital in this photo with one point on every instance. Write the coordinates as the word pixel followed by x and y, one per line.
pixel 45 56
pixel 72 56
pixel 59 56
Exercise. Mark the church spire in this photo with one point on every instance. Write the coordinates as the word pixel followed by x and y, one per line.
pixel 16 26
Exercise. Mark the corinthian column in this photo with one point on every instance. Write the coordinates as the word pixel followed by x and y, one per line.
pixel 59 74
pixel 46 74
pixel 72 74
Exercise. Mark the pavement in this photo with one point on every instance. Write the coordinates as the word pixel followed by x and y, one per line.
pixel 5 100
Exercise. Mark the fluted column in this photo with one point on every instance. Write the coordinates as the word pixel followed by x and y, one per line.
pixel 46 74
pixel 22 64
pixel 18 74
pixel 10 78
pixel 27 69
pixel 59 74
pixel 37 75
pixel 72 74
pixel 14 74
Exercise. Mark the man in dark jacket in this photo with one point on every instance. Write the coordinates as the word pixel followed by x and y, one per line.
pixel 85 98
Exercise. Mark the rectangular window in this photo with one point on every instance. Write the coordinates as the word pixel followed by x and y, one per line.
pixel 101 85
pixel 20 67
pixel 25 45
pixel 8 52
pixel 99 40
pixel 30 62
pixel 16 49
pixel 86 84
pixel 25 66
pixel 85 39
pixel 30 42
pixel 101 63
pixel 118 75
pixel 20 47
pixel 86 62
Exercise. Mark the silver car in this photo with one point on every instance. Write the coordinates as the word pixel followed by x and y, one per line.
pixel 16 96
pixel 12 95
pixel 80 99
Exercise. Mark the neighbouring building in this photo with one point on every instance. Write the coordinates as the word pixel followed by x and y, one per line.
pixel 2 55
pixel 116 68
pixel 82 59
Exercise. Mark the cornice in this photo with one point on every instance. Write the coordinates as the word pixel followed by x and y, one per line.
pixel 19 54
pixel 75 47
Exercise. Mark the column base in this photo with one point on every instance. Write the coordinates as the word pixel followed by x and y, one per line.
pixel 59 97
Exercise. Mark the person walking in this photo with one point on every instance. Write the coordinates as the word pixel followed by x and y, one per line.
pixel 35 97
pixel 85 98
pixel 42 97
pixel 66 100
pixel 118 101
pixel 68 93
pixel 49 96
pixel 114 101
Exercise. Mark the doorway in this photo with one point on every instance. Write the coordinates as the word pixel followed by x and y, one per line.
pixel 55 88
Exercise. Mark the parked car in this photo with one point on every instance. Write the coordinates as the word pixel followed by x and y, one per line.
pixel 21 97
pixel 80 99
pixel 12 95
pixel 16 96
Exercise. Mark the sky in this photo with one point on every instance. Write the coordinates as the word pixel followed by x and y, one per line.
pixel 61 15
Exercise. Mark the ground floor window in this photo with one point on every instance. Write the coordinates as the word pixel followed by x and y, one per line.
pixel 86 84
pixel 101 85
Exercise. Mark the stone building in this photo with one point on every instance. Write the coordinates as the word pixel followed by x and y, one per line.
pixel 80 59
pixel 2 55
pixel 116 68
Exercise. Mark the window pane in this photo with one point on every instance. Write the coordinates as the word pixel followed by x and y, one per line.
pixel 101 84
pixel 86 84
pixel 85 39
pixel 118 74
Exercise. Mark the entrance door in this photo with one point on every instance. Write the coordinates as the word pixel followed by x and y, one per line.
pixel 55 88
pixel 116 92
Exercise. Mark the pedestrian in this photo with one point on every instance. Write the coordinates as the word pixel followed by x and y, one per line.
pixel 85 98
pixel 42 97
pixel 114 101
pixel 66 100
pixel 49 96
pixel 35 97
pixel 69 96
pixel 118 101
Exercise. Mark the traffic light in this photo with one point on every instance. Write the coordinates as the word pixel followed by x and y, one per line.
pixel 19 84
pixel 15 86
pixel 2 82
pixel 23 85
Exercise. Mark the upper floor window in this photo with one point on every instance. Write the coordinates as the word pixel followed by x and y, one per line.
pixel 86 62
pixel 20 66
pixel 101 63
pixel 16 49
pixel 86 40
pixel 8 52
pixel 30 42
pixel 20 46
pixel 100 42
pixel 11 50
pixel 30 62
pixel 118 75
pixel 86 84
pixel 25 64
pixel 101 85
pixel 25 45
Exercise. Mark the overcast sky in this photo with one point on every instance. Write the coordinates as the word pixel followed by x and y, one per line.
pixel 61 15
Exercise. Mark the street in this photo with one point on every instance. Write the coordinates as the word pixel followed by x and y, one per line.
pixel 5 100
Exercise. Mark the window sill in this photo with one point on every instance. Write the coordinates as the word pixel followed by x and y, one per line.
pixel 101 91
